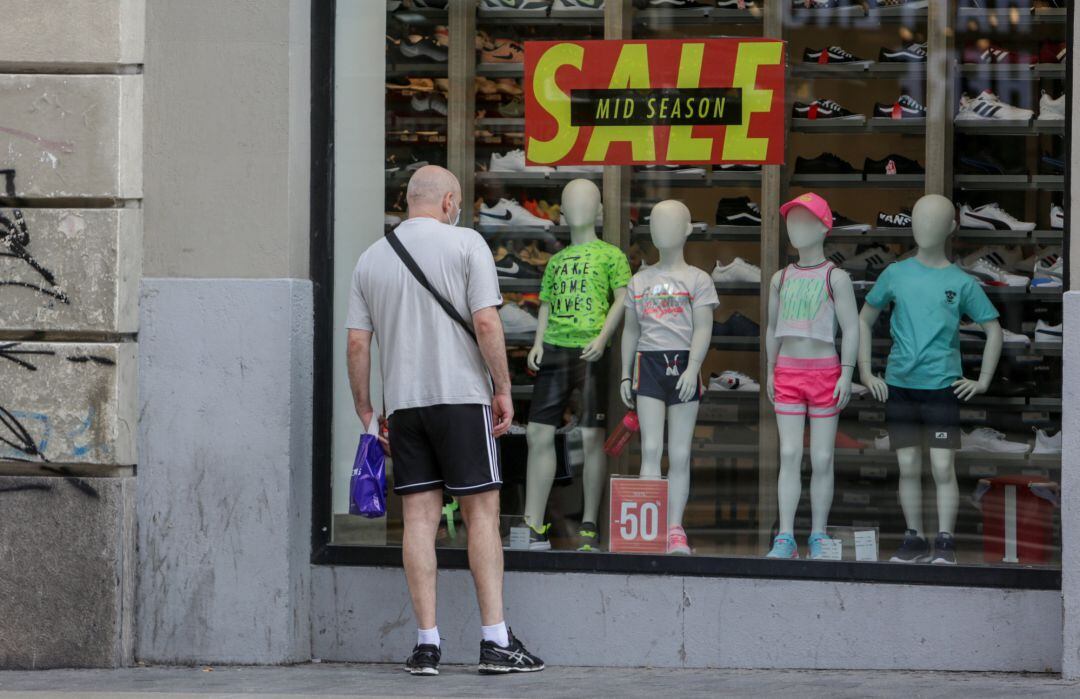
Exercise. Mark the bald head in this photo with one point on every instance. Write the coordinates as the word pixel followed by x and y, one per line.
pixel 429 186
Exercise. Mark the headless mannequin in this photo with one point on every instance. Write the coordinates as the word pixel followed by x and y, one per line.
pixel 580 206
pixel 669 226
pixel 933 220
pixel 807 234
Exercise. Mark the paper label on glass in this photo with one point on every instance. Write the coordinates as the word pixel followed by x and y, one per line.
pixel 866 548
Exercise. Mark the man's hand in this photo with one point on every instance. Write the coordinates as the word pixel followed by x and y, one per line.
pixel 366 413
pixel 594 350
pixel 502 408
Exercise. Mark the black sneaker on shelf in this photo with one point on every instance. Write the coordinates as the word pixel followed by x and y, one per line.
pixel 914 549
pixel 737 211
pixel 912 53
pixel 944 549
pixel 737 4
pixel 904 108
pixel 824 164
pixel 736 167
pixel 424 660
pixel 822 4
pixel 843 223
pixel 737 325
pixel 588 537
pixel 831 55
pixel 502 660
pixel 1051 165
pixel 893 164
pixel 898 220
pixel 822 109
pixel 415 46
pixel 513 267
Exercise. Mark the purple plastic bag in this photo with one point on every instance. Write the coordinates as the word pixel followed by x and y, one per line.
pixel 367 489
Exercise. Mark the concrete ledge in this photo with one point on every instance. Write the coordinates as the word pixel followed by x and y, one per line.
pixel 39 33
pixel 1070 485
pixel 67 547
pixel 79 272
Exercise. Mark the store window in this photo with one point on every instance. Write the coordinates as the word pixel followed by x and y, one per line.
pixel 885 102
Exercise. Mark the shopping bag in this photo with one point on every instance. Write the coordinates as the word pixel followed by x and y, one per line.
pixel 367 488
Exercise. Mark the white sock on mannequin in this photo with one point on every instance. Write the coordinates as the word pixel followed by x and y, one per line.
pixel 496 633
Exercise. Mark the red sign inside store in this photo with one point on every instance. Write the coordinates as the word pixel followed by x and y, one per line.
pixel 638 515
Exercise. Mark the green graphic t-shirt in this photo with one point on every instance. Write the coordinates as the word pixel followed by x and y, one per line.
pixel 578 283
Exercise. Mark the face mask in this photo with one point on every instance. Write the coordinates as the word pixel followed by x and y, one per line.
pixel 457 217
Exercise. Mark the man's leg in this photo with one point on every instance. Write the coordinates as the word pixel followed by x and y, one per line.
pixel 481 513
pixel 423 511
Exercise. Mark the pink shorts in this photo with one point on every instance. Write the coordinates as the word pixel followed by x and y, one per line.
pixel 806 386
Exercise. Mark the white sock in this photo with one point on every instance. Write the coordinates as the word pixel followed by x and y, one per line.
pixel 496 633
pixel 428 636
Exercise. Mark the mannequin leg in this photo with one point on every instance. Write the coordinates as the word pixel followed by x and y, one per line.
pixel 651 414
pixel 681 421
pixel 910 460
pixel 540 471
pixel 789 484
pixel 822 447
pixel 595 471
pixel 942 462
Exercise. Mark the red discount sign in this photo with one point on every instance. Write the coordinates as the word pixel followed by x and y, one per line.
pixel 638 515
pixel 658 101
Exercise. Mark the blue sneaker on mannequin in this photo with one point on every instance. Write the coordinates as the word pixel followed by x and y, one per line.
pixel 783 546
pixel 814 544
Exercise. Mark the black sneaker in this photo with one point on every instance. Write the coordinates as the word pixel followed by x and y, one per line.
pixel 904 108
pixel 502 660
pixel 893 164
pixel 915 549
pixel 737 211
pixel 831 55
pixel 424 660
pixel 423 47
pixel 824 164
pixel 843 223
pixel 897 220
pixel 538 538
pixel 944 549
pixel 912 53
pixel 588 537
pixel 736 167
pixel 822 109
pixel 512 267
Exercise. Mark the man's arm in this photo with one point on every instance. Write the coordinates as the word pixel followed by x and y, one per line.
pixel 358 357
pixel 489 335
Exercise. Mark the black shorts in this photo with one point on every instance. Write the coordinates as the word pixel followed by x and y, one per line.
pixel 657 373
pixel 446 447
pixel 561 371
pixel 917 416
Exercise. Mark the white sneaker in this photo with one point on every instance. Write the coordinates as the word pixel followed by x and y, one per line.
pixel 738 270
pixel 991 217
pixel 987 439
pixel 1057 217
pixel 871 258
pixel 1048 272
pixel 1000 255
pixel 1045 444
pixel 509 213
pixel 881 442
pixel 1050 108
pixel 514 161
pixel 1049 334
pixel 989 107
pixel 516 320
pixel 974 331
pixel 733 381
pixel 990 274
pixel 839 252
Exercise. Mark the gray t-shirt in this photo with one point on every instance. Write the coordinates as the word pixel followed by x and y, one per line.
pixel 426 357
pixel 664 304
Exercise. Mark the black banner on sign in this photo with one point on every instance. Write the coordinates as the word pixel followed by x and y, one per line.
pixel 720 106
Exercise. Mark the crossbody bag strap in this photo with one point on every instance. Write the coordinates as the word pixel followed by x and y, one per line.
pixel 410 263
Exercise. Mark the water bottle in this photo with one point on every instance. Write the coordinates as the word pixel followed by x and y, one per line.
pixel 621 436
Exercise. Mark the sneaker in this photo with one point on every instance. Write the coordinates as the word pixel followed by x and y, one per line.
pixel 738 270
pixel 1057 217
pixel 736 4
pixel 990 274
pixel 912 53
pixel 783 546
pixel 986 163
pixel 1049 272
pixel 1000 255
pixel 1045 444
pixel 736 167
pixel 843 223
pixel 538 538
pixel 504 50
pixel 737 211
pixel 974 331
pixel 515 109
pixel 944 549
pixel 988 53
pixel 988 106
pixel 897 220
pixel 1053 52
pixel 881 441
pixel 737 325
pixel 733 381
pixel 424 660
pixel 814 544
pixel 832 55
pixel 893 164
pixel 991 217
pixel 904 108
pixel 989 440
pixel 514 4
pixel 416 46
pixel 508 212
pixel 510 266
pixel 1051 164
pixel 574 5
pixel 1046 333
pixel 588 537
pixel 514 161
pixel 875 257
pixel 534 255
pixel 516 320
pixel 1050 108
pixel 674 169
pixel 822 109
pixel 677 544
pixel 502 660
pixel 914 549
pixel 824 164
pixel 423 102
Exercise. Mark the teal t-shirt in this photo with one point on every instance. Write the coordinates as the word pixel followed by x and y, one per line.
pixel 927 306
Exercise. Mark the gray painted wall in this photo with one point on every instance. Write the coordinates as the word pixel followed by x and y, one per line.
pixel 1070 484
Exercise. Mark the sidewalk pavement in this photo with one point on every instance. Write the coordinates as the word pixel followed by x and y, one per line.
pixel 332 680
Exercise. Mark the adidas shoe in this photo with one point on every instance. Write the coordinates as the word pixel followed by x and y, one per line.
pixel 1045 444
pixel 1048 272
pixel 893 164
pixel 503 660
pixel 1051 51
pixel 514 161
pixel 988 440
pixel 1000 255
pixel 738 270
pixel 733 381
pixel 897 220
pixel 974 331
pixel 508 212
pixel 1047 334
pixel 822 109
pixel 737 211
pixel 875 257
pixel 990 274
pixel 516 320
pixel 1057 217
pixel 991 217
pixel 912 53
pixel 1050 108
pixel 843 223
pixel 904 108
pixel 837 253
pixel 832 55
pixel 988 107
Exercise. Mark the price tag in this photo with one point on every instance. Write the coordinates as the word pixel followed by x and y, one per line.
pixel 519 538
pixel 638 515
pixel 832 549
pixel 866 545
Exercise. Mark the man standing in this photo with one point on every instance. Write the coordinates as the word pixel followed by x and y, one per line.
pixel 443 417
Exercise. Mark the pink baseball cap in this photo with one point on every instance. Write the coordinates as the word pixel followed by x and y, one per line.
pixel 812 202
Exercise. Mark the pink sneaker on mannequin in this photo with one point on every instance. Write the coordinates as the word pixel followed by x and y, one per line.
pixel 677 544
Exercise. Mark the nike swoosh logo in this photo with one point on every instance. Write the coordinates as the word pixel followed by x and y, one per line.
pixel 512 269
pixel 504 216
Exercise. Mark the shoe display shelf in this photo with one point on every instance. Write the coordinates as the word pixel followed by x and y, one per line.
pixel 662 18
pixel 1055 183
pixel 1000 72
pixel 501 70
pixel 1005 19
pixel 499 124
pixel 873 125
pixel 860 70
pixel 859 180
pixel 1054 127
pixel 417 69
pixel 555 16
pixel 547 235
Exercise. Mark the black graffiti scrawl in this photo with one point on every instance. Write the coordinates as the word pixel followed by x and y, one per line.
pixel 15 242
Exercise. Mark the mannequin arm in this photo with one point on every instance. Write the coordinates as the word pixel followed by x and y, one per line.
pixel 847 314
pixel 966 389
pixel 536 354
pixel 595 349
pixel 867 317
pixel 772 344
pixel 699 347
pixel 630 335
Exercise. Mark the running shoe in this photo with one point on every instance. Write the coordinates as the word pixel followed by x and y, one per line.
pixel 510 266
pixel 538 538
pixel 988 107
pixel 898 220
pixel 893 164
pixel 912 53
pixel 508 212
pixel 1057 217
pixel 503 660
pixel 814 545
pixel 424 660
pixel 508 86
pixel 1028 263
pixel 1048 272
pixel 874 257
pixel 503 50
pixel 424 102
pixel 822 109
pixel 536 257
pixel 516 320
pixel 914 549
pixel 783 546
pixel 824 164
pixel 588 537
pixel 832 55
pixel 514 161
pixel 1045 444
pixel 1000 255
pixel 677 544
pixel 974 331
pixel 733 381
pixel 990 274
pixel 990 441
pixel 906 107
pixel 737 211
pixel 738 270
pixel 578 5
pixel 843 223
pixel 1052 52
pixel 944 550
pixel 737 325
pixel 991 217
pixel 514 108
pixel 1047 334
pixel 418 46
pixel 1051 109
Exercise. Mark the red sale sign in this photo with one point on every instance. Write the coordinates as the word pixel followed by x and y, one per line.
pixel 654 101
pixel 638 515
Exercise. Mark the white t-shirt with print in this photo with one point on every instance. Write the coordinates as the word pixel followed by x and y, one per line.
pixel 664 302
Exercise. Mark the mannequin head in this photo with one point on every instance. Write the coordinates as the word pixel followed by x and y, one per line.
pixel 809 219
pixel 580 203
pixel 669 225
pixel 933 219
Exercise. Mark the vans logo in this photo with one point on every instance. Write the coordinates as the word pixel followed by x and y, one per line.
pixel 950 297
